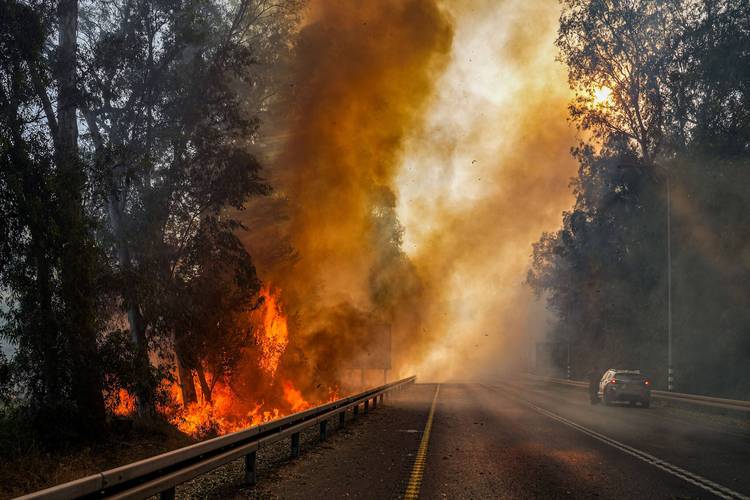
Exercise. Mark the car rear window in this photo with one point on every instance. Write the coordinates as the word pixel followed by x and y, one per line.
pixel 628 377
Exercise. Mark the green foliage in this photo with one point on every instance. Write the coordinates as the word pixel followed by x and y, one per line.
pixel 169 131
pixel 45 315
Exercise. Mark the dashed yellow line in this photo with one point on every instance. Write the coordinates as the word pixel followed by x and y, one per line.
pixel 415 479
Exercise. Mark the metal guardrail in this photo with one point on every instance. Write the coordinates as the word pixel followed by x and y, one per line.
pixel 729 404
pixel 161 473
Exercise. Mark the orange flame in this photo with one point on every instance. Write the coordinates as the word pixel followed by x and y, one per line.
pixel 272 335
pixel 294 397
pixel 225 411
pixel 125 404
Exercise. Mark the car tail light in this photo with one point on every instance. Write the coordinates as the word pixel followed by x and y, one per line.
pixel 647 382
pixel 613 381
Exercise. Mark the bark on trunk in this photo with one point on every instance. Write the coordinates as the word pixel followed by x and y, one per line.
pixel 116 199
pixel 187 385
pixel 78 256
pixel 206 389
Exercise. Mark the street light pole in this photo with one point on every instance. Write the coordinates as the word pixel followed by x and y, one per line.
pixel 667 175
pixel 670 377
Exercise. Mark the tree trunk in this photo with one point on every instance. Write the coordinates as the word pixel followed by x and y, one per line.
pixel 136 322
pixel 205 388
pixel 116 199
pixel 77 259
pixel 187 385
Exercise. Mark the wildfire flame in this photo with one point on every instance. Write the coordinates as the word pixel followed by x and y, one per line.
pixel 125 404
pixel 272 335
pixel 294 397
pixel 224 411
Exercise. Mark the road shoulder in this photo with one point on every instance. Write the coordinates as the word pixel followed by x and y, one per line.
pixel 370 458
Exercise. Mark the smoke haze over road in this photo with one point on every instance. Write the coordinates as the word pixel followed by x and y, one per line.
pixel 450 118
pixel 484 176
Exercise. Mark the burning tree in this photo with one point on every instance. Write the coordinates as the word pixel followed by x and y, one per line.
pixel 125 147
pixel 169 131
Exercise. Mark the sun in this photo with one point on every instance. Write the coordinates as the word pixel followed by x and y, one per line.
pixel 602 95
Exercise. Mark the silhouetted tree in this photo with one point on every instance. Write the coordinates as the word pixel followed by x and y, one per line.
pixel 679 108
pixel 49 251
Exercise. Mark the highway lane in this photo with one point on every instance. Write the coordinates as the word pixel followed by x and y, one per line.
pixel 488 443
pixel 717 448
pixel 520 441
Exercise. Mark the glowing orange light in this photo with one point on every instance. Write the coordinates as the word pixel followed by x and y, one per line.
pixel 223 410
pixel 125 404
pixel 294 397
pixel 273 334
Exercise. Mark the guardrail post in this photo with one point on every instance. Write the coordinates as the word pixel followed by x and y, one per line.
pixel 375 402
pixel 342 419
pixel 250 468
pixel 367 406
pixel 295 445
pixel 355 411
pixel 167 494
pixel 323 429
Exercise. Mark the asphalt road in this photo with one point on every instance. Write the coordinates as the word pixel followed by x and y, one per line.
pixel 535 441
pixel 518 441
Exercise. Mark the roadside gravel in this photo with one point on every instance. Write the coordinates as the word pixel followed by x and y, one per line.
pixel 381 443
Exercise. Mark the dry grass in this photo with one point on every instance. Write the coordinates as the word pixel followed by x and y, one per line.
pixel 34 469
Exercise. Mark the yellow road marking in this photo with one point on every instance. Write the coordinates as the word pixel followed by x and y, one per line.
pixel 415 479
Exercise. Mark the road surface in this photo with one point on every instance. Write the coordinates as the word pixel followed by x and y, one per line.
pixel 527 440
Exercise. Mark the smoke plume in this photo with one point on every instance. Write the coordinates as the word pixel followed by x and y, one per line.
pixel 361 77
pixel 446 117
pixel 483 178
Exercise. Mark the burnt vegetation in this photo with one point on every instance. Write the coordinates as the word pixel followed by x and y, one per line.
pixel 663 100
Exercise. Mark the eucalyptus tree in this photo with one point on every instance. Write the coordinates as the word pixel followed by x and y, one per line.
pixel 617 53
pixel 167 95
pixel 125 145
pixel 677 96
pixel 50 258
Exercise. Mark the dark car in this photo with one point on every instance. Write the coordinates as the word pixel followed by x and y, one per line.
pixel 625 386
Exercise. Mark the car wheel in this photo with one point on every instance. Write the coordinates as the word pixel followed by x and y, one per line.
pixel 646 404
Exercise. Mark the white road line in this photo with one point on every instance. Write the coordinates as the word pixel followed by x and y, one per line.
pixel 701 482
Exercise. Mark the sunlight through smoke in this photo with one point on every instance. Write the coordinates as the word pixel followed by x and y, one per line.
pixel 486 173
